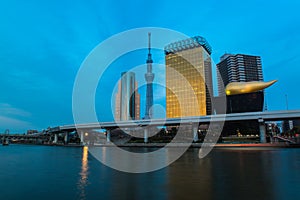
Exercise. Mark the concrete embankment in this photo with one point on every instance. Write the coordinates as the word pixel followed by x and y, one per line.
pixel 199 145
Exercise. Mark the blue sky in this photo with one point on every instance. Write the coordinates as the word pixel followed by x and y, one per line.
pixel 43 43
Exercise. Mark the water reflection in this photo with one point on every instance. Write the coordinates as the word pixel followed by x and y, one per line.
pixel 235 174
pixel 136 160
pixel 73 173
pixel 83 181
pixel 225 173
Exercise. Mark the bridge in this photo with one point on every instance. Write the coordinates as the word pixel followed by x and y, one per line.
pixel 37 138
pixel 261 117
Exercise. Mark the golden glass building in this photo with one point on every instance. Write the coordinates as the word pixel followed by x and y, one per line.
pixel 188 78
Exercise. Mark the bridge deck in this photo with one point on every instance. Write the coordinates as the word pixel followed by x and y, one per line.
pixel 261 116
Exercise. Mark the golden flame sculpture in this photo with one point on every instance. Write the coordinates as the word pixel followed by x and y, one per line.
pixel 247 87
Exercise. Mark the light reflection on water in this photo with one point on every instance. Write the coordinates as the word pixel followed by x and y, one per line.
pixel 83 181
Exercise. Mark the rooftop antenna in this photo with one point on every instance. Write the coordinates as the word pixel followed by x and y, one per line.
pixel 149 60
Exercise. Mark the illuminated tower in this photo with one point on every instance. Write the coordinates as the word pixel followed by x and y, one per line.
pixel 127 105
pixel 149 76
pixel 188 77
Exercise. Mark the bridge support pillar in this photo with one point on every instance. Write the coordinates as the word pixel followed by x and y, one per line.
pixel 107 135
pixel 146 132
pixel 81 137
pixel 262 131
pixel 195 132
pixel 66 137
pixel 55 138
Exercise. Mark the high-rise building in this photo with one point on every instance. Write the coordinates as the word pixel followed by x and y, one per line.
pixel 238 68
pixel 127 104
pixel 188 78
pixel 149 76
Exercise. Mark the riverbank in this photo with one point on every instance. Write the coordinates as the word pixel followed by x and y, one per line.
pixel 179 145
pixel 199 145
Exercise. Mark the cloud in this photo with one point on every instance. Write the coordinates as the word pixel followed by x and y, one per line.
pixel 18 125
pixel 13 118
pixel 8 110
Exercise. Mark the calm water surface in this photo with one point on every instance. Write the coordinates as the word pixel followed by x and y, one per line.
pixel 45 172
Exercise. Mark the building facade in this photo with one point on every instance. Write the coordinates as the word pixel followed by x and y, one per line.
pixel 238 68
pixel 127 99
pixel 188 78
pixel 249 102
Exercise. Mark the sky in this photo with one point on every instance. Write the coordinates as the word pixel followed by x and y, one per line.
pixel 43 43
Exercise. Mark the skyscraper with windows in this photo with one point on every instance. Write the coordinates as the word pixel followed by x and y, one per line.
pixel 127 99
pixel 188 78
pixel 238 68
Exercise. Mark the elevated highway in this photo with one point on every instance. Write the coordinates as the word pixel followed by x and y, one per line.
pixel 261 117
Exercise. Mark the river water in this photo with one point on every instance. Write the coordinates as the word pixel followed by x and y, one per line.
pixel 46 172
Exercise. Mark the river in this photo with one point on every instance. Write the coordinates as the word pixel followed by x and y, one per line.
pixel 49 172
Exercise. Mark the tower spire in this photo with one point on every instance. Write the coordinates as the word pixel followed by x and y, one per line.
pixel 149 42
pixel 149 76
pixel 149 60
